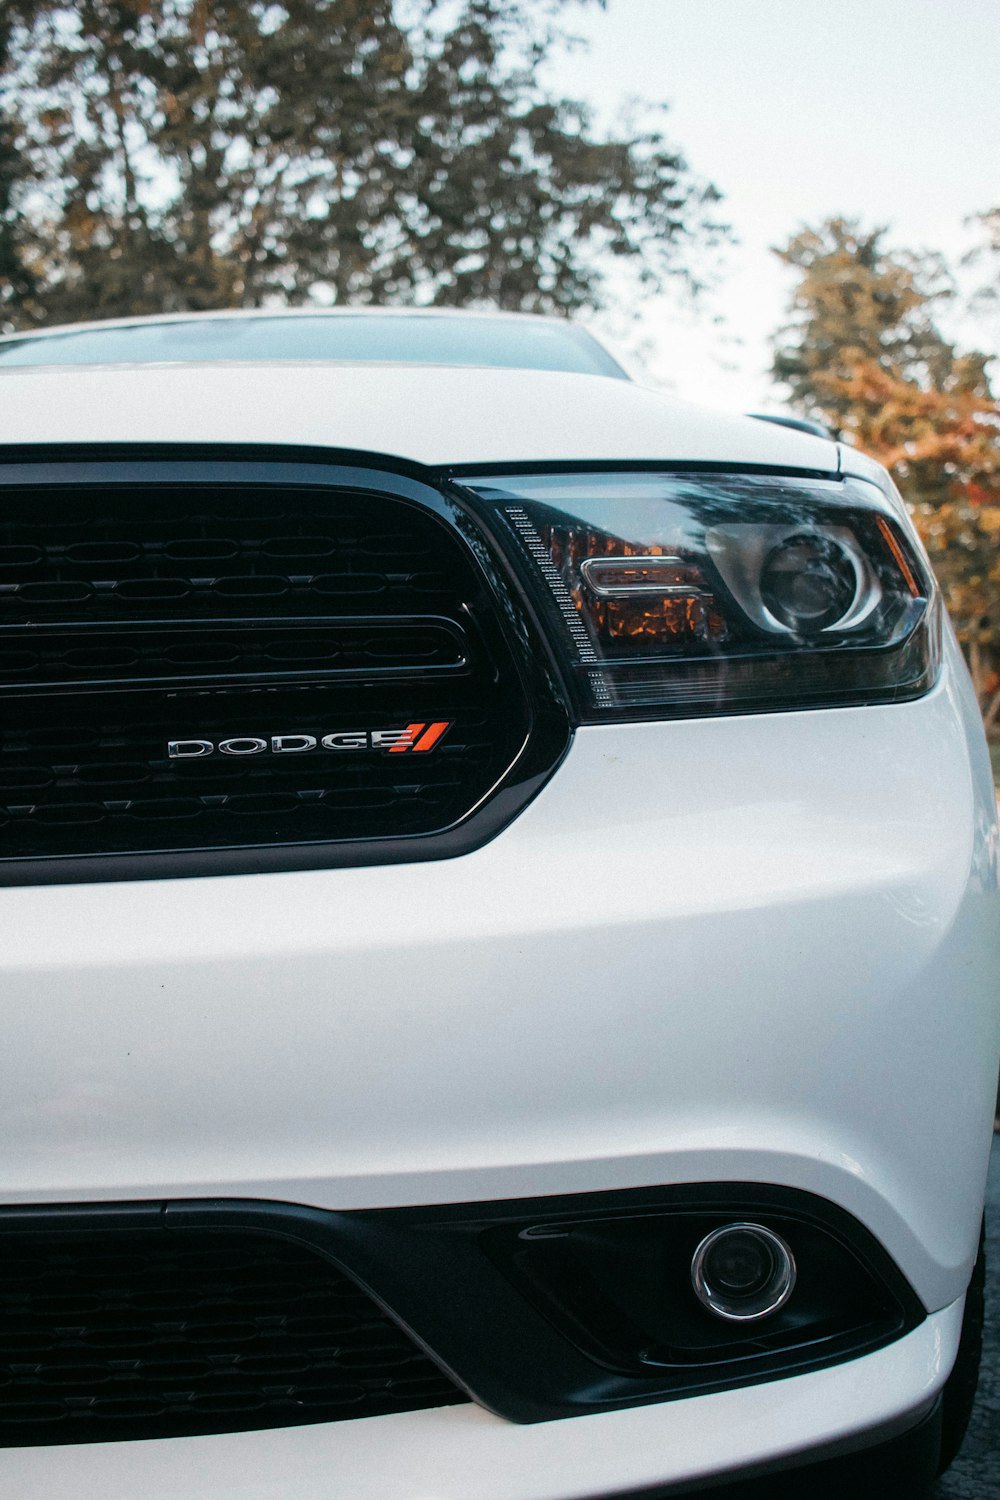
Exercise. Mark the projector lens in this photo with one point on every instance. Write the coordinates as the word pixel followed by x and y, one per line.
pixel 808 583
pixel 743 1272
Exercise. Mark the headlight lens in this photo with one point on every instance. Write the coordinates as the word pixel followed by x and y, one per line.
pixel 679 594
pixel 810 583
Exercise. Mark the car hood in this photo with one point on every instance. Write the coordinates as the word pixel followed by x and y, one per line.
pixel 431 415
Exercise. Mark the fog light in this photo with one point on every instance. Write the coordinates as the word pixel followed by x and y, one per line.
pixel 743 1272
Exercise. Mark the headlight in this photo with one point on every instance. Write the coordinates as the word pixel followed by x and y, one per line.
pixel 679 594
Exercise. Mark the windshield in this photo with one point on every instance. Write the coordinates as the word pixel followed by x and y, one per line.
pixel 513 343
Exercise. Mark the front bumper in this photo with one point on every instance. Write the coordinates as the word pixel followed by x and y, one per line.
pixel 455 1453
pixel 757 949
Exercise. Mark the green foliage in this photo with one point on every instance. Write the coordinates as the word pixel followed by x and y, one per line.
pixel 175 154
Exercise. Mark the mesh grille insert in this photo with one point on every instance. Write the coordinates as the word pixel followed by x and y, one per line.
pixel 141 1333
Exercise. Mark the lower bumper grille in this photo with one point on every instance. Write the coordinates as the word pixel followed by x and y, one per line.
pixel 137 1333
pixel 169 1319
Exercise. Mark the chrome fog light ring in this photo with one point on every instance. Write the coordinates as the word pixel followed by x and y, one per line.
pixel 743 1272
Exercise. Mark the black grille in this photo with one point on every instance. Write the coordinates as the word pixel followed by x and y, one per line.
pixel 141 1333
pixel 133 616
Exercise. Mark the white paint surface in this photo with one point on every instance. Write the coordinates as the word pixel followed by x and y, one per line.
pixel 428 414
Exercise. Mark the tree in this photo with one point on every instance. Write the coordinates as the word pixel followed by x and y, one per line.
pixel 17 282
pixel 987 255
pixel 863 353
pixel 179 154
pixel 854 302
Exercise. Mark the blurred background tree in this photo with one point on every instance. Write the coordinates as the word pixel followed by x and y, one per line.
pixel 166 155
pixel 986 258
pixel 863 352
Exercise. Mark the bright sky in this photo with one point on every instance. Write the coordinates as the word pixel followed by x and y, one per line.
pixel 799 109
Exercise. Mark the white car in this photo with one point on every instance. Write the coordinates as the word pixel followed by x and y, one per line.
pixel 500 929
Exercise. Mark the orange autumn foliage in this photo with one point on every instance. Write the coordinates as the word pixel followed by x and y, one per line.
pixel 864 354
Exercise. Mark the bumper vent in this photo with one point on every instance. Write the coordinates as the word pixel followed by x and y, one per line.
pixel 244 610
pixel 138 1333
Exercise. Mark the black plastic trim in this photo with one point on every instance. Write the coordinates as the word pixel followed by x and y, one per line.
pixel 387 463
pixel 431 1271
pixel 458 472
